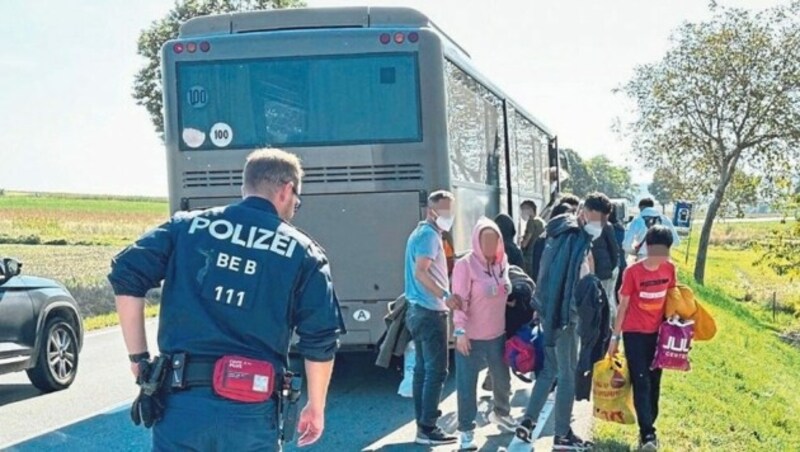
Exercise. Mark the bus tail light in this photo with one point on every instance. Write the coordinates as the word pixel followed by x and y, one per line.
pixel 205 46
pixel 399 38
pixel 191 47
pixel 413 37
pixel 177 47
pixel 385 38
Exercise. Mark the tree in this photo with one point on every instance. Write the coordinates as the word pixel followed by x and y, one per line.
pixel 581 181
pixel 613 180
pixel 723 98
pixel 781 250
pixel 661 188
pixel 147 82
pixel 743 192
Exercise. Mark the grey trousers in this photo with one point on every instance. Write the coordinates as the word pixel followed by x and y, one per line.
pixel 560 362
pixel 482 354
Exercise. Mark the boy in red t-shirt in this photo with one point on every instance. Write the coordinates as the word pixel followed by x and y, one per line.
pixel 643 297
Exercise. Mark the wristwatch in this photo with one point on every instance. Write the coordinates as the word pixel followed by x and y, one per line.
pixel 615 337
pixel 136 357
pixel 446 294
pixel 459 332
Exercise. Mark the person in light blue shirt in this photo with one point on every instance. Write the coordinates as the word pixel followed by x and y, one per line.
pixel 427 288
pixel 637 229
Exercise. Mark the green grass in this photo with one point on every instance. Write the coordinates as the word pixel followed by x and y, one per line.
pixel 77 220
pixel 107 320
pixel 740 395
pixel 730 269
pixel 741 392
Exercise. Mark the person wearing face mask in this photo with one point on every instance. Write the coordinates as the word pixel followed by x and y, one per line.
pixel 482 281
pixel 605 249
pixel 427 288
pixel 238 280
pixel 565 260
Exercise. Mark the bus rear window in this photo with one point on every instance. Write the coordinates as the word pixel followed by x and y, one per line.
pixel 299 101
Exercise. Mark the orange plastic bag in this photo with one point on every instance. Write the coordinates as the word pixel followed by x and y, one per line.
pixel 612 391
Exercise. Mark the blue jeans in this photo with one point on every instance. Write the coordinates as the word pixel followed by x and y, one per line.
pixel 560 362
pixel 482 354
pixel 198 420
pixel 429 331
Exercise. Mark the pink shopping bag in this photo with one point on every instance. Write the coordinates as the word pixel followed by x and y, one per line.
pixel 674 342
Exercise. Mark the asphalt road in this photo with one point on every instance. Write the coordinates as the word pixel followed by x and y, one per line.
pixel 364 410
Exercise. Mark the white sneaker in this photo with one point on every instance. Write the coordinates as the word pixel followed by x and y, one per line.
pixel 506 423
pixel 467 441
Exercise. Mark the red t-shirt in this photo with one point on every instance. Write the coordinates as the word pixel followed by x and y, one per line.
pixel 647 290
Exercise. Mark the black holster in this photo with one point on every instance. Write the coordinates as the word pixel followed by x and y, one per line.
pixel 148 407
pixel 288 403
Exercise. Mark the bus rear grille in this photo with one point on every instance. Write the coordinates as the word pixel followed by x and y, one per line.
pixel 365 173
pixel 219 178
pixel 316 175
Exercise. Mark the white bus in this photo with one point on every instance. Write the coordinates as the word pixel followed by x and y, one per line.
pixel 381 106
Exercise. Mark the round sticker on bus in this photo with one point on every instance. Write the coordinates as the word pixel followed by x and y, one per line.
pixel 221 134
pixel 193 138
pixel 362 315
pixel 197 97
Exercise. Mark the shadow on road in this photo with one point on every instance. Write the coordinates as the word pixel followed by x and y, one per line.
pixel 17 393
pixel 363 406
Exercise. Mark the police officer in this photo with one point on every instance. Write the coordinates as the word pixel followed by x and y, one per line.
pixel 237 282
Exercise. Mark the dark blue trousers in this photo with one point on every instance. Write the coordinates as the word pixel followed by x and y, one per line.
pixel 198 420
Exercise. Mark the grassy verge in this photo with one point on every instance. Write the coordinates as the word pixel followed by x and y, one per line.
pixel 106 320
pixel 730 269
pixel 740 395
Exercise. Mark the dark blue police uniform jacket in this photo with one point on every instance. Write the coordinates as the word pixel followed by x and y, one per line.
pixel 237 280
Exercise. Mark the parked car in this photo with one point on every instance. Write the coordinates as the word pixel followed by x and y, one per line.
pixel 41 331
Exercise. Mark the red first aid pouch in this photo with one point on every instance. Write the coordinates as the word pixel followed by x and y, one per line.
pixel 244 379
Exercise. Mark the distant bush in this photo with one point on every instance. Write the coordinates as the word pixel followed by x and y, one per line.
pixel 60 242
pixel 20 240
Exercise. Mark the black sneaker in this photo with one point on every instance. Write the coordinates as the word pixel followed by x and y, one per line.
pixel 434 437
pixel 571 442
pixel 525 430
pixel 649 443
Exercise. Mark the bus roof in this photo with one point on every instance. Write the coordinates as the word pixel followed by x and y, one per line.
pixel 341 17
pixel 310 18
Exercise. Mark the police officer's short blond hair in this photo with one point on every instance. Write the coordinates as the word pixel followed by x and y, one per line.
pixel 270 168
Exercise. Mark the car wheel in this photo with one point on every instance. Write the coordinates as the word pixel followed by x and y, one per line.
pixel 57 361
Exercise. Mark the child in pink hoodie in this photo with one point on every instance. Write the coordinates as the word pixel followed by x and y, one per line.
pixel 481 280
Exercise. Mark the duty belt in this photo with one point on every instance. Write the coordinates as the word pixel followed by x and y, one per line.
pixel 191 372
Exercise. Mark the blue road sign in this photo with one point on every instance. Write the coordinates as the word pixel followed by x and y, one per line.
pixel 683 214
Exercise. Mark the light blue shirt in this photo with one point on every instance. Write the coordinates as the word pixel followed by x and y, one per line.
pixel 637 229
pixel 426 242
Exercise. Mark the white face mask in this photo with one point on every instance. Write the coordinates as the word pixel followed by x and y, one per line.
pixel 593 228
pixel 444 221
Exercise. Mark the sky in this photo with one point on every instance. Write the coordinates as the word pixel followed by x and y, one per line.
pixel 69 123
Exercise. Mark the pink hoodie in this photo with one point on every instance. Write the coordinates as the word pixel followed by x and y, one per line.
pixel 483 287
